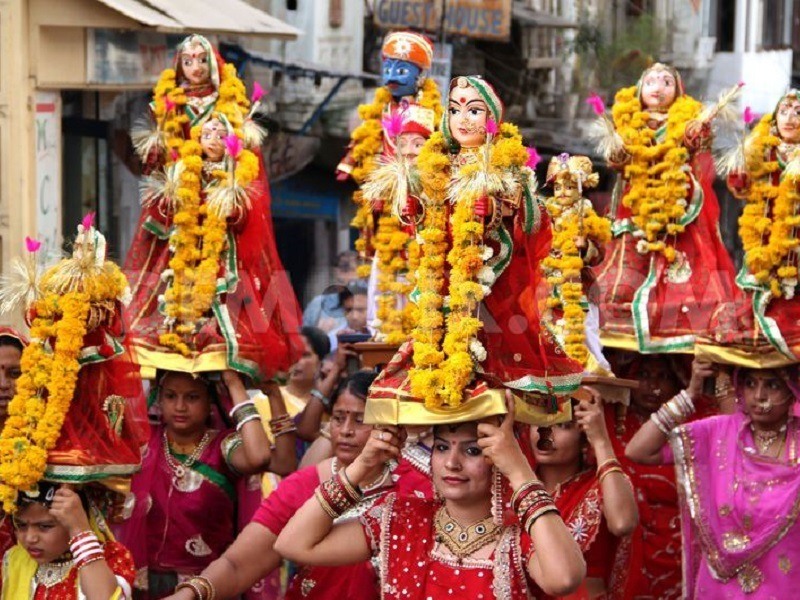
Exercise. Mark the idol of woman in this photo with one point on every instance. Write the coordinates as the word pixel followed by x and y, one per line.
pixel 487 338
pixel 666 274
pixel 769 186
pixel 209 291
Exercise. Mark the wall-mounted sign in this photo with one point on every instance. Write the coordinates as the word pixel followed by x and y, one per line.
pixel 487 19
pixel 128 57
pixel 48 172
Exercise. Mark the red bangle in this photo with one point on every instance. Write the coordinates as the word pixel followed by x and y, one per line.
pixel 89 558
pixel 80 536
pixel 612 464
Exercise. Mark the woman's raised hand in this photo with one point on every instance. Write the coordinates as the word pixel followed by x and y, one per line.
pixel 501 448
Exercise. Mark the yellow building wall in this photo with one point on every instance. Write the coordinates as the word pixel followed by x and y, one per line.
pixel 17 205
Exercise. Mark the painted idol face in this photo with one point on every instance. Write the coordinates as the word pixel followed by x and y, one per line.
pixel 194 64
pixel 400 76
pixel 212 140
pixel 787 119
pixel 565 191
pixel 659 89
pixel 467 115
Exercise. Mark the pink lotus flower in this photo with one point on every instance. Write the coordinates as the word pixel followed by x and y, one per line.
pixel 491 126
pixel 233 144
pixel 597 104
pixel 258 92
pixel 748 116
pixel 169 103
pixel 32 245
pixel 88 221
pixel 533 158
pixel 393 124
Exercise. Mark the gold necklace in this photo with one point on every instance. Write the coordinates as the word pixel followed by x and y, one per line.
pixel 178 468
pixel 765 439
pixel 463 541
pixel 50 574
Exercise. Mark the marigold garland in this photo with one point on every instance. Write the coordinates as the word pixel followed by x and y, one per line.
pixel 50 366
pixel 444 349
pixel 368 144
pixel 769 222
pixel 657 172
pixel 199 237
pixel 563 267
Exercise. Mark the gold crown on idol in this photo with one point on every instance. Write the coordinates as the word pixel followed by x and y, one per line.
pixel 575 167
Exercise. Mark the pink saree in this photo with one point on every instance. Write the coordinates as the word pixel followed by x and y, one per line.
pixel 354 582
pixel 739 510
pixel 170 534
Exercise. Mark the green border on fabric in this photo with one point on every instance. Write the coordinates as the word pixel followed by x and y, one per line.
pixel 501 260
pixel 641 320
pixel 695 205
pixel 232 344
pixel 194 119
pixel 156 228
pixel 529 220
pixel 210 474
pixel 87 474
pixel 761 299
pixel 95 357
pixel 622 226
pixel 492 102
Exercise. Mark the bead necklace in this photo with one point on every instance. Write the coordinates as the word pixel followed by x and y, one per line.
pixel 179 468
pixel 463 541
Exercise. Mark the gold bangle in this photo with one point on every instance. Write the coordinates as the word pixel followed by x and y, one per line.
pixel 609 471
pixel 525 486
pixel 607 461
pixel 353 490
pixel 539 513
pixel 205 582
pixel 324 504
pixel 198 593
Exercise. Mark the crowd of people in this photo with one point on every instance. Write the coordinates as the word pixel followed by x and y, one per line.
pixel 573 404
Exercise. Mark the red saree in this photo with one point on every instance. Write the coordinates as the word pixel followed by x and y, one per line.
pixel 654 565
pixel 400 533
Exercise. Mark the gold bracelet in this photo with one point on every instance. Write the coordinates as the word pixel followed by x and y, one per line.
pixel 324 504
pixel 609 471
pixel 352 489
pixel 206 583
pixel 607 461
pixel 198 593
